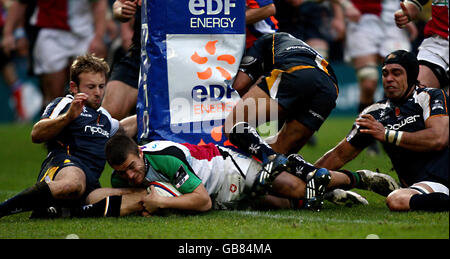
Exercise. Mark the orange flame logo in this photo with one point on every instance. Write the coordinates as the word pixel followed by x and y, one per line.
pixel 210 48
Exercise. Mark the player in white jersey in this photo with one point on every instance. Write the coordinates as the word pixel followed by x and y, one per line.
pixel 434 51
pixel 66 29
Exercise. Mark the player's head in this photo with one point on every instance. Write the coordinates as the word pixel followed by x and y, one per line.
pixel 400 71
pixel 88 74
pixel 126 158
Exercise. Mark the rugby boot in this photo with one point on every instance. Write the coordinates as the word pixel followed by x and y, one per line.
pixel 382 184
pixel 268 173
pixel 316 184
pixel 343 197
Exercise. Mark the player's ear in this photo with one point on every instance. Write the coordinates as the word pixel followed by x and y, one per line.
pixel 73 87
pixel 141 153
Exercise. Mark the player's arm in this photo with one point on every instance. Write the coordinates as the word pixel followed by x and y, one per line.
pixel 50 127
pixel 16 15
pixel 128 126
pixel 338 156
pixel 434 137
pixel 254 15
pixel 197 200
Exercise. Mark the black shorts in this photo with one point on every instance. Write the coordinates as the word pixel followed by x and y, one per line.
pixel 56 161
pixel 127 69
pixel 307 93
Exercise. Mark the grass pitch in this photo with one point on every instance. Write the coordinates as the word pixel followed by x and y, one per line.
pixel 20 160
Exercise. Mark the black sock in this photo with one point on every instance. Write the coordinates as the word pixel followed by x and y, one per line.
pixel 247 139
pixel 300 167
pixel 435 201
pixel 108 207
pixel 355 179
pixel 37 196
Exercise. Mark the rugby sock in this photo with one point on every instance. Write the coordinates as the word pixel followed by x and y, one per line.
pixel 37 196
pixel 299 167
pixel 247 139
pixel 355 179
pixel 108 207
pixel 435 201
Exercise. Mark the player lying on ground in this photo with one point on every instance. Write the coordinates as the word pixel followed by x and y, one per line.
pixel 210 176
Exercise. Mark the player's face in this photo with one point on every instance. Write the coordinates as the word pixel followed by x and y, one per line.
pixel 133 169
pixel 92 84
pixel 395 82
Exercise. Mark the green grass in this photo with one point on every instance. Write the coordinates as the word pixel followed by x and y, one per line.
pixel 20 160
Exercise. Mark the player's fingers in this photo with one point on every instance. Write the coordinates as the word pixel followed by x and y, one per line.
pixel 368 116
pixel 404 9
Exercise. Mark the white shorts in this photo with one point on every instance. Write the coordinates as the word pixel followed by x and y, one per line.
pixel 54 48
pixel 436 187
pixel 232 187
pixel 435 50
pixel 373 36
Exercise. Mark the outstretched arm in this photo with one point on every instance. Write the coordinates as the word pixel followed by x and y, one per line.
pixel 338 156
pixel 198 200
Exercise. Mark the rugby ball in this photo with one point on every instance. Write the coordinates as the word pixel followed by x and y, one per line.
pixel 164 189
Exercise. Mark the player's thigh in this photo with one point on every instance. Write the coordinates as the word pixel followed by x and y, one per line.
pixel 255 107
pixel 119 99
pixel 427 77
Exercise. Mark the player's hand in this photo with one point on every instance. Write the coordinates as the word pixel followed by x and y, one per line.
pixel 98 47
pixel 8 44
pixel 151 202
pixel 76 107
pixel 352 13
pixel 125 10
pixel 371 126
pixel 402 16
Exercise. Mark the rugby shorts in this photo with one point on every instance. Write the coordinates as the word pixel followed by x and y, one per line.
pixel 127 68
pixel 56 161
pixel 371 35
pixel 435 50
pixel 307 93
pixel 236 168
pixel 54 48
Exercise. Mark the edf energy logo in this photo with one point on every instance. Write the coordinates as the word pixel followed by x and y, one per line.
pixel 200 78
pixel 211 8
pixel 194 48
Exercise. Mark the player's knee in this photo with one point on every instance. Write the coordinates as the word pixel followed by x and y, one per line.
pixel 69 190
pixel 397 201
pixel 367 72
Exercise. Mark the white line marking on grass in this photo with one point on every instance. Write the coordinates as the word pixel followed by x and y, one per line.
pixel 301 218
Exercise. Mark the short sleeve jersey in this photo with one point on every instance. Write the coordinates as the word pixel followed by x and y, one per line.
pixel 283 51
pixel 409 116
pixel 86 136
pixel 185 166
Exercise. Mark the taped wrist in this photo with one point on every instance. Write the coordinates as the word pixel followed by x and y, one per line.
pixel 393 136
pixel 416 4
pixel 251 66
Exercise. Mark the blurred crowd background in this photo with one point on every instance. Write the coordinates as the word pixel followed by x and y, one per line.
pixel 24 93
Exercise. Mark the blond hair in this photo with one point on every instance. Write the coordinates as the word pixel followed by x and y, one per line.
pixel 87 63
